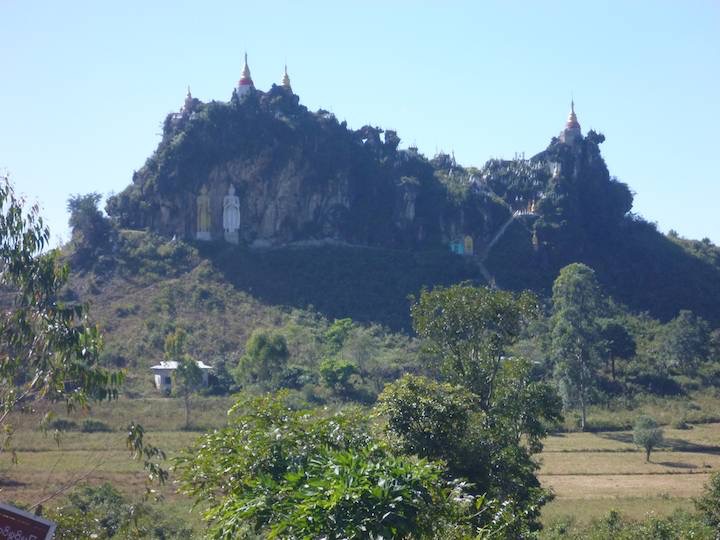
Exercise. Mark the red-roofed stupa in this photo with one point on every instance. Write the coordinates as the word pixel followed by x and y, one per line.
pixel 245 83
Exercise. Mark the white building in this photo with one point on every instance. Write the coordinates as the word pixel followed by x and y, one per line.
pixel 164 370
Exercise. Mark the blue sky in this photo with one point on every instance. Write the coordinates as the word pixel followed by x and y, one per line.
pixel 85 85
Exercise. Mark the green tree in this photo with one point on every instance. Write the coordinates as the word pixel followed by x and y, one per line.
pixel 336 335
pixel 48 349
pixel 685 342
pixel 493 451
pixel 265 360
pixel 708 504
pixel 336 374
pixel 274 472
pixel 470 330
pixel 91 230
pixel 647 434
pixel 188 376
pixel 619 343
pixel 576 337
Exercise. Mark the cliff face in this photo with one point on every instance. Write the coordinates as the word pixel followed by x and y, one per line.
pixel 300 177
pixel 304 178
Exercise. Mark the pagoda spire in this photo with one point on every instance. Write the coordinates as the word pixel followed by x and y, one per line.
pixel 187 106
pixel 572 131
pixel 246 78
pixel 286 81
pixel 245 84
pixel 572 121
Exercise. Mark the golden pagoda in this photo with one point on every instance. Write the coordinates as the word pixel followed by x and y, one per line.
pixel 286 81
pixel 572 132
pixel 572 121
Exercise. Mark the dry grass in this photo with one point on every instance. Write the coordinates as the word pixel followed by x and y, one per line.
pixel 628 463
pixel 592 473
pixel 702 437
pixel 43 467
pixel 582 510
pixel 617 486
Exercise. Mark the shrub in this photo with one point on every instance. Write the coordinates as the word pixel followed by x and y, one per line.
pixel 63 424
pixel 708 504
pixel 95 426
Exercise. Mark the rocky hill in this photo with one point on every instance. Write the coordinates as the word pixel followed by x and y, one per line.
pixel 341 218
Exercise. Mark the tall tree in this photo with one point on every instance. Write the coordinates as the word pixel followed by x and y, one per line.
pixel 498 413
pixel 685 342
pixel 48 348
pixel 264 361
pixel 90 228
pixel 576 337
pixel 619 343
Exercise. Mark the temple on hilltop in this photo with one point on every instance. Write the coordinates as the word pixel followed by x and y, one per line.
pixel 572 131
pixel 280 174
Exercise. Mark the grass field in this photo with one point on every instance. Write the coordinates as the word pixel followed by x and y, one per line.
pixel 590 473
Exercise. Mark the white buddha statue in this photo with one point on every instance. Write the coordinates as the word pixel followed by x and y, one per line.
pixel 231 216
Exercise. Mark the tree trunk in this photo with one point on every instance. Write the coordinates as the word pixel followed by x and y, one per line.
pixel 582 414
pixel 647 455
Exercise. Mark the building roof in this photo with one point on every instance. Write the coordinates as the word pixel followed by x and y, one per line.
pixel 172 364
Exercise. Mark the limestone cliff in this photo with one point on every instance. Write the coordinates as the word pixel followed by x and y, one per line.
pixel 301 177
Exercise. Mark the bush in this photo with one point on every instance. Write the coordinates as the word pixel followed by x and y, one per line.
pixel 658 384
pixel 681 423
pixel 95 426
pixel 708 504
pixel 63 424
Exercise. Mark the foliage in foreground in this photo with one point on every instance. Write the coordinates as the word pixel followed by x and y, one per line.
pixel 678 526
pixel 103 512
pixel 283 473
pixel 708 505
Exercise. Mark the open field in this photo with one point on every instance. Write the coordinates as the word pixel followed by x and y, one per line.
pixel 592 473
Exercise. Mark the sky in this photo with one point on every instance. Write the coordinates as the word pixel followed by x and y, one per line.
pixel 85 85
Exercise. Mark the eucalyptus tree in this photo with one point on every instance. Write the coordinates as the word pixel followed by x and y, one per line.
pixel 48 348
pixel 577 344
